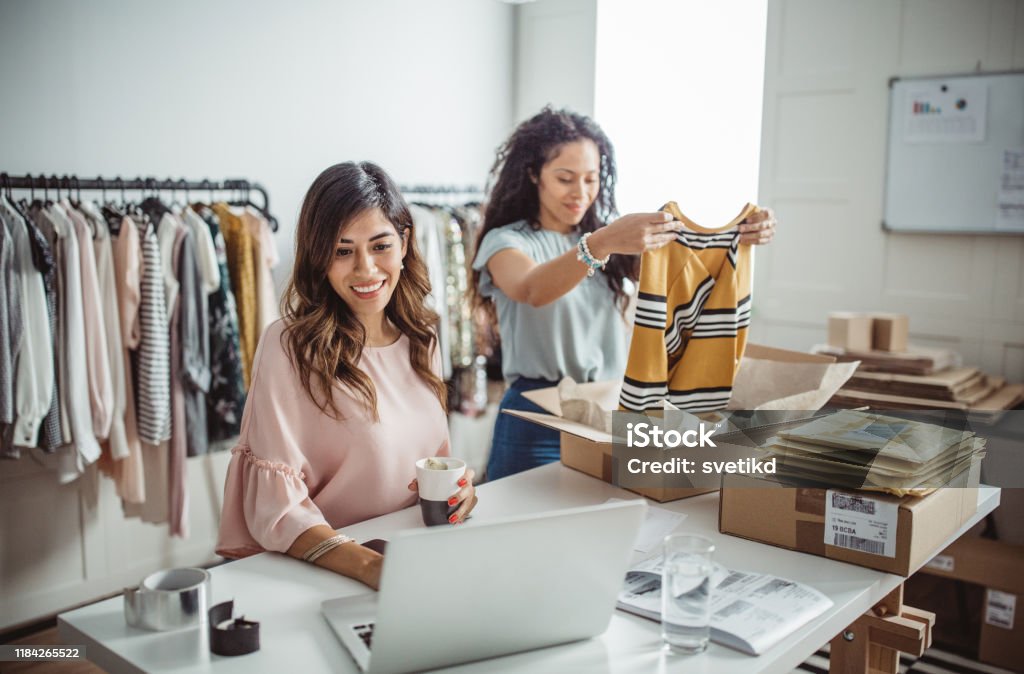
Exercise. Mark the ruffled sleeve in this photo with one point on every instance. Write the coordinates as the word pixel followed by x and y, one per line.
pixel 266 499
pixel 494 242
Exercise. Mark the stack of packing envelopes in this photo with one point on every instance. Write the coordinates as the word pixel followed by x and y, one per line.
pixel 864 450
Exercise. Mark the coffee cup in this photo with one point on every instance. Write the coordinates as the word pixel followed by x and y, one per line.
pixel 436 486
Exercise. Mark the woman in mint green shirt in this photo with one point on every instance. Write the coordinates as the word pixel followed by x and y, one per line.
pixel 552 268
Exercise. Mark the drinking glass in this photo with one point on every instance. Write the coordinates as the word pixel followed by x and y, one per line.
pixel 686 593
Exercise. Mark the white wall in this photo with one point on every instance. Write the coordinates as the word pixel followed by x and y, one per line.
pixel 555 56
pixel 270 91
pixel 823 167
pixel 679 93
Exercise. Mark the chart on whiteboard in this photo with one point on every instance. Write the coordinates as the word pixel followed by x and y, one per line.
pixel 945 113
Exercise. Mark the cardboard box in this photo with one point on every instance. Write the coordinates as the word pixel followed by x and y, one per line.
pixel 890 332
pixel 850 331
pixel 999 567
pixel 588 449
pixel 795 518
pixel 1002 630
pixel 994 564
pixel 768 378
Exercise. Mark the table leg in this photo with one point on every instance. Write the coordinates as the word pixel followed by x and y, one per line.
pixel 872 644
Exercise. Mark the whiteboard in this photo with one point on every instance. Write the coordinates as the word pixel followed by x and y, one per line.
pixel 956 154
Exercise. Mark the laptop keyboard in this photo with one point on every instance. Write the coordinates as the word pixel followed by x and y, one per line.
pixel 365 632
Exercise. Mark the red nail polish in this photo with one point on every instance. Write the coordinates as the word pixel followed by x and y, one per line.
pixel 453 519
pixel 453 501
pixel 462 482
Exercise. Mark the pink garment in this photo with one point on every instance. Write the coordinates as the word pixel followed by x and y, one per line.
pixel 101 390
pixel 296 467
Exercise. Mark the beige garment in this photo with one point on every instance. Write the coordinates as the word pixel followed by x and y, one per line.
pixel 266 259
pixel 101 389
pixel 128 472
pixel 117 445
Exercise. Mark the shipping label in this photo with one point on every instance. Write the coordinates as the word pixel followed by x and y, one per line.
pixel 999 608
pixel 942 563
pixel 860 523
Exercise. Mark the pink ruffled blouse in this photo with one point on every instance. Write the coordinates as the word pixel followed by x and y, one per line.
pixel 296 467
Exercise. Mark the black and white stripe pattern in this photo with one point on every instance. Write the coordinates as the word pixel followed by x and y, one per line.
pixel 701 399
pixel 686 316
pixel 723 322
pixel 699 241
pixel 650 311
pixel 154 359
pixel 934 661
pixel 638 396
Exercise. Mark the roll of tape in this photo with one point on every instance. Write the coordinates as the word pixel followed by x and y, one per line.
pixel 169 600
pixel 232 636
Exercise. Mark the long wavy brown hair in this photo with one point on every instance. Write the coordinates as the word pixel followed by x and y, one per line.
pixel 513 195
pixel 323 337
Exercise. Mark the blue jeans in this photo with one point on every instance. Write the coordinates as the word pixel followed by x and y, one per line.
pixel 519 444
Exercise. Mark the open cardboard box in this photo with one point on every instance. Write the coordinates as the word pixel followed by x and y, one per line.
pixel 587 449
pixel 767 379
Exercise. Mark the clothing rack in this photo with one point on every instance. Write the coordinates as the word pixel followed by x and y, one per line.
pixel 68 183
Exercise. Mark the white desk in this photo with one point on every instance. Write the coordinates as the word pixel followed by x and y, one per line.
pixel 284 595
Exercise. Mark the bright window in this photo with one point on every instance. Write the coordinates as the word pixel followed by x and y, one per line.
pixel 679 90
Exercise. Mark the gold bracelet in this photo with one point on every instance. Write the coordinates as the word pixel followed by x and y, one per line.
pixel 325 546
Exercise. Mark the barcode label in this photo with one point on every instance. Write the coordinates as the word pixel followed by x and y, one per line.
pixel 853 503
pixel 861 523
pixel 1000 608
pixel 857 543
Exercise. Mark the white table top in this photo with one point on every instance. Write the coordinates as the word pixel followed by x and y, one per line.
pixel 284 595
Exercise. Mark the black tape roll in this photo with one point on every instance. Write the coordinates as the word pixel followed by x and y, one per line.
pixel 238 637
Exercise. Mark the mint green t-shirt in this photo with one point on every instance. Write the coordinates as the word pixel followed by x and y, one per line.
pixel 580 335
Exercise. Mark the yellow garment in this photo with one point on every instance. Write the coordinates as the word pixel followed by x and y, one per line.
pixel 243 250
pixel 691 322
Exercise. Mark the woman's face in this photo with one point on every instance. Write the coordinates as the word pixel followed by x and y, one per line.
pixel 367 264
pixel 568 184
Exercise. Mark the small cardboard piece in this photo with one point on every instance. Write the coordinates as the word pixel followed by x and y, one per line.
pixel 850 331
pixel 890 332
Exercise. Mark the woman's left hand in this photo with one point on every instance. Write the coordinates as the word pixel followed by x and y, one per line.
pixel 465 496
pixel 758 228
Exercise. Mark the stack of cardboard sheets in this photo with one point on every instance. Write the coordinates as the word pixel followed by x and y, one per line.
pixel 922 378
pixel 866 450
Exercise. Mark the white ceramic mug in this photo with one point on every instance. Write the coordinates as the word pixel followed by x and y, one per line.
pixel 436 487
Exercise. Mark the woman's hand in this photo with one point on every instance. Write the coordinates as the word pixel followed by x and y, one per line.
pixel 465 496
pixel 758 228
pixel 634 234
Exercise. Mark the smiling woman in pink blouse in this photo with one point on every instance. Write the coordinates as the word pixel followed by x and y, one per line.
pixel 346 391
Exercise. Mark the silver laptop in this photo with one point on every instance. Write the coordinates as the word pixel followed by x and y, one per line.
pixel 483 589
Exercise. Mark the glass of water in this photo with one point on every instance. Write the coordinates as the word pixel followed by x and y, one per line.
pixel 686 593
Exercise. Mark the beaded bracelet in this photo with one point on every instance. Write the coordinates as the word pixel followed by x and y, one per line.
pixel 325 546
pixel 584 255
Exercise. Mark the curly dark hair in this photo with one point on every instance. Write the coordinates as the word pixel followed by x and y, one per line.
pixel 512 194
